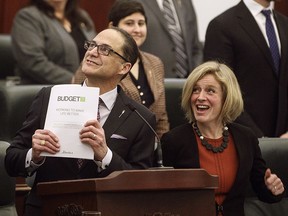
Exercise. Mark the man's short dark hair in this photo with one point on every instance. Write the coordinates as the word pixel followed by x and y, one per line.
pixel 130 48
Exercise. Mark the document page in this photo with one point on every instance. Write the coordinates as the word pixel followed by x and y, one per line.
pixel 70 107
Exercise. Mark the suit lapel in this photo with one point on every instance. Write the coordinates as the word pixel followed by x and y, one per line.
pixel 148 70
pixel 241 152
pixel 250 26
pixel 283 32
pixel 117 115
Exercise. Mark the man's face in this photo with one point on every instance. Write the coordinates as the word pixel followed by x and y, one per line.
pixel 265 3
pixel 101 67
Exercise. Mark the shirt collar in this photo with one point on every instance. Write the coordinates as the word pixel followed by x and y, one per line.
pixel 256 8
pixel 108 98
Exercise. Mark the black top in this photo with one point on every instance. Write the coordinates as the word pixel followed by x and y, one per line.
pixel 143 87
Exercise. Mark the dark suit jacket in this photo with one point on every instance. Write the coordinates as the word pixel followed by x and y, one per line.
pixel 234 38
pixel 159 41
pixel 134 152
pixel 180 150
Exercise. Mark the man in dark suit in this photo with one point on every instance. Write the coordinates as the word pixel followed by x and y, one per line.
pixel 238 38
pixel 124 142
pixel 159 40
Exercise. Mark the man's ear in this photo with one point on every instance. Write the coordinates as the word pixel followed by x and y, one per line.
pixel 126 67
pixel 110 24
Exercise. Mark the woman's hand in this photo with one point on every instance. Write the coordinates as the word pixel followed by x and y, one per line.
pixel 44 141
pixel 273 183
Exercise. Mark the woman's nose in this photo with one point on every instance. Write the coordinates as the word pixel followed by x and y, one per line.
pixel 201 96
pixel 136 28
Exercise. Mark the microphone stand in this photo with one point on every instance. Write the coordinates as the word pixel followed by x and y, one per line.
pixel 159 159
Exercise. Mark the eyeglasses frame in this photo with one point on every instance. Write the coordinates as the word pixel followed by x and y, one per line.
pixel 87 47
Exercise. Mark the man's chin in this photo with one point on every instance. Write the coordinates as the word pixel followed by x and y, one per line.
pixel 86 70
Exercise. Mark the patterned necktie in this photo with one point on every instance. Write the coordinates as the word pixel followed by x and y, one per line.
pixel 98 112
pixel 274 49
pixel 80 163
pixel 180 52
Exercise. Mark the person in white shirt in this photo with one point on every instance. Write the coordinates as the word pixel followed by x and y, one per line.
pixel 238 38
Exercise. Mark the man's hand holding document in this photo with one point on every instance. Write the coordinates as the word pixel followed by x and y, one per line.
pixel 70 107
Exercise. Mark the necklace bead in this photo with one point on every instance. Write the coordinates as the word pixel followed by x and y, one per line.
pixel 207 145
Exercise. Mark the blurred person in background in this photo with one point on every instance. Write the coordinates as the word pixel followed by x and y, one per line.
pixel 173 35
pixel 238 37
pixel 47 40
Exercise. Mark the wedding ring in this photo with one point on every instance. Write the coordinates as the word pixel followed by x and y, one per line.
pixel 42 142
pixel 94 136
pixel 275 188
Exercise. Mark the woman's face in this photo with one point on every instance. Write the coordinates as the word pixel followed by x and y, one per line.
pixel 207 100
pixel 135 25
pixel 57 3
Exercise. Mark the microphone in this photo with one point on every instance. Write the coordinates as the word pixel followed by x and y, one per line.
pixel 159 160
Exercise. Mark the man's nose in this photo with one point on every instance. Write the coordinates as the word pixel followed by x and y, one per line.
pixel 94 51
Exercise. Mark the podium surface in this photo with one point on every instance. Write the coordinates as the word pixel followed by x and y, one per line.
pixel 181 192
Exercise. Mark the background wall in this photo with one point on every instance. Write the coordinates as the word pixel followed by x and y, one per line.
pixel 206 10
pixel 98 10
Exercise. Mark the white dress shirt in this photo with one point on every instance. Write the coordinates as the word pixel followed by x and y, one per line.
pixel 255 10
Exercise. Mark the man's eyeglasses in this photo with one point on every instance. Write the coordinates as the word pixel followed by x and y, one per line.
pixel 102 49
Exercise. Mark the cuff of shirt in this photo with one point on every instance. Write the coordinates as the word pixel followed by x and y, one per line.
pixel 29 164
pixel 102 165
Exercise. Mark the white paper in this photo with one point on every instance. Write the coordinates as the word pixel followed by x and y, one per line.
pixel 70 107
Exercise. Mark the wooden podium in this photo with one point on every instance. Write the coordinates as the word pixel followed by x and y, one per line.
pixel 181 192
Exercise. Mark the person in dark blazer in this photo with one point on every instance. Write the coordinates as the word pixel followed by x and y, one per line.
pixel 121 140
pixel 145 81
pixel 238 38
pixel 159 41
pixel 47 40
pixel 211 100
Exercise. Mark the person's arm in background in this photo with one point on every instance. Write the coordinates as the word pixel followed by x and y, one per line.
pixel 162 125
